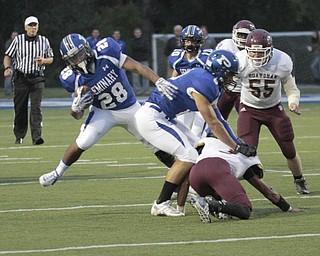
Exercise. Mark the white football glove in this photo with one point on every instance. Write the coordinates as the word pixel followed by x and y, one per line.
pixel 167 88
pixel 81 102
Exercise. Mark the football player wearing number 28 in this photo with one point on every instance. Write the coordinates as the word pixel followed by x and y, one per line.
pixel 110 98
pixel 263 70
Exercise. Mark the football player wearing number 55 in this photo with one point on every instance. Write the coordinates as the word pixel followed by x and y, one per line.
pixel 263 70
pixel 100 82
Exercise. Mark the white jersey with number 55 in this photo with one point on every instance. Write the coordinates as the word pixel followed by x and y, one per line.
pixel 261 86
pixel 109 84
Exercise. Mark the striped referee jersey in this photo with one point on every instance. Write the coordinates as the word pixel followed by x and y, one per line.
pixel 23 49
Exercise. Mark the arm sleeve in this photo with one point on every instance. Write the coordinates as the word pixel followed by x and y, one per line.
pixel 226 125
pixel 291 90
pixel 49 52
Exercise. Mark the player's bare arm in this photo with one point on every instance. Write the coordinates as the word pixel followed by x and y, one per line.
pixel 206 110
pixel 271 194
pixel 135 66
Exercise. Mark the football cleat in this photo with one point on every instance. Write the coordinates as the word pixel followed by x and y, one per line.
pixel 202 207
pixel 165 209
pixel 301 186
pixel 49 178
pixel 215 207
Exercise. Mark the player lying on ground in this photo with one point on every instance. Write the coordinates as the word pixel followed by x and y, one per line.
pixel 215 177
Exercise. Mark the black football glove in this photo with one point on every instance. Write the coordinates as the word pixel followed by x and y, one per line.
pixel 246 149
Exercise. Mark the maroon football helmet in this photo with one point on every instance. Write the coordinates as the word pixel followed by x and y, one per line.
pixel 259 47
pixel 240 32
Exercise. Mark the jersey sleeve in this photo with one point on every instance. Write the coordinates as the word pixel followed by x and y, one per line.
pixel 48 52
pixel 68 79
pixel 174 57
pixel 242 57
pixel 203 83
pixel 12 49
pixel 285 63
pixel 108 48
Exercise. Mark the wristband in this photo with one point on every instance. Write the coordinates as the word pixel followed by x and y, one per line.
pixel 283 204
pixel 7 68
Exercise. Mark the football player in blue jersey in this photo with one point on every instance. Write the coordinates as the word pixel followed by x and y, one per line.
pixel 99 81
pixel 182 61
pixel 198 90
pixel 191 56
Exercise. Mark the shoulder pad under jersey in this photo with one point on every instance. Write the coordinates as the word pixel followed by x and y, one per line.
pixel 67 79
pixel 109 47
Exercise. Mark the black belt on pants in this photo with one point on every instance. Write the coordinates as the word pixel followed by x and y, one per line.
pixel 33 75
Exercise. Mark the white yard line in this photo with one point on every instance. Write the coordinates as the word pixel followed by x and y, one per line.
pixel 69 208
pixel 64 146
pixel 225 240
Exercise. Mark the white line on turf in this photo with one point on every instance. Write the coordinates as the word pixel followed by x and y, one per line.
pixel 64 146
pixel 133 178
pixel 225 240
pixel 120 205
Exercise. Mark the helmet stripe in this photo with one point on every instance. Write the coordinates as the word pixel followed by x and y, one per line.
pixel 68 43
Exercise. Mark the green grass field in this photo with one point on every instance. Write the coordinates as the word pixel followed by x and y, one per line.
pixel 102 205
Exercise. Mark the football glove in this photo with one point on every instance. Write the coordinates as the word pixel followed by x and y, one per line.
pixel 246 149
pixel 168 89
pixel 82 102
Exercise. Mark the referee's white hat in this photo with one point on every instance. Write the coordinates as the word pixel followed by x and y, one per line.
pixel 31 19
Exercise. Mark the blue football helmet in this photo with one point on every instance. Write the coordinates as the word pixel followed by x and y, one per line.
pixel 193 33
pixel 223 65
pixel 76 52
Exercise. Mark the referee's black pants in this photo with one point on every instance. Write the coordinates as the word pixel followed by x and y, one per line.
pixel 23 89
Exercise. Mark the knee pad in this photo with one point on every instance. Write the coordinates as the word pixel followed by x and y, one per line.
pixel 87 138
pixel 288 149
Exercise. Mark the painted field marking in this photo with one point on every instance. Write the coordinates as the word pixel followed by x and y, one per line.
pixel 120 205
pixel 225 240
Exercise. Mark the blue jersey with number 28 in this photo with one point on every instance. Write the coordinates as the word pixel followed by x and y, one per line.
pixel 109 83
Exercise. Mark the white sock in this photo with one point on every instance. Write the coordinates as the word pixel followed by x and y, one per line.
pixel 61 168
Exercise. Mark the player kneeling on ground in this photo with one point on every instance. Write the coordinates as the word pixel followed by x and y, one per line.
pixel 215 178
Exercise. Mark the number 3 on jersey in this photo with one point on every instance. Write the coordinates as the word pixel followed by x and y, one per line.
pixel 118 94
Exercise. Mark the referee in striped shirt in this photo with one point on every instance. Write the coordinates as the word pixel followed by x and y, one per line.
pixel 31 53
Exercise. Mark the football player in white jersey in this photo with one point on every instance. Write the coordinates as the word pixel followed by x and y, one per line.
pixel 110 95
pixel 231 97
pixel 215 177
pixel 198 90
pixel 263 71
pixel 182 61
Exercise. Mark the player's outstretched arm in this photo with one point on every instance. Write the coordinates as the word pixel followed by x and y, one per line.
pixel 272 195
pixel 168 89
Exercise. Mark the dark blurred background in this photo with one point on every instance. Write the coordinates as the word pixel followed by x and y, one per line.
pixel 59 18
